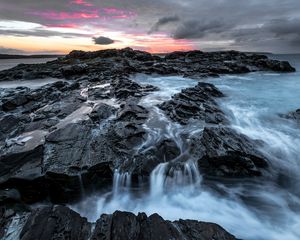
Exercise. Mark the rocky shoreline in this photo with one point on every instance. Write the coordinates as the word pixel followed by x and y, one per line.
pixel 71 135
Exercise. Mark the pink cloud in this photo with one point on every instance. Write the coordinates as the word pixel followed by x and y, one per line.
pixel 67 25
pixel 118 13
pixel 82 2
pixel 53 15
pixel 105 13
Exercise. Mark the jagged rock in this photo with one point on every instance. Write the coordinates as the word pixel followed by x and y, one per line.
pixel 112 62
pixel 275 65
pixel 195 103
pixel 12 101
pixel 78 69
pixel 24 152
pixel 293 116
pixel 60 222
pixel 202 230
pixel 101 112
pixel 125 88
pixel 146 160
pixel 124 225
pixel 222 152
pixel 127 132
pixel 8 123
pixel 75 155
pixel 55 222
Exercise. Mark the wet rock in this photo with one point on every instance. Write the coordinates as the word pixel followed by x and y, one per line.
pixel 202 230
pixel 101 112
pixel 222 152
pixel 14 100
pixel 147 159
pixel 274 65
pixel 125 135
pixel 124 225
pixel 8 123
pixel 65 146
pixel 131 111
pixel 55 222
pixel 78 69
pixel 99 93
pixel 195 103
pixel 60 222
pixel 3 222
pixel 120 139
pixel 71 162
pixel 125 88
pixel 20 162
pixel 295 116
pixel 128 132
pixel 22 155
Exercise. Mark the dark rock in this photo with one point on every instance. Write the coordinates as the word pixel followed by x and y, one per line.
pixel 202 230
pixel 72 162
pixel 78 69
pixel 124 225
pixel 125 88
pixel 130 112
pixel 112 62
pixel 293 116
pixel 55 222
pixel 59 222
pixel 8 123
pixel 20 156
pixel 12 101
pixel 101 112
pixel 275 65
pixel 4 221
pixel 195 103
pixel 222 152
pixel 146 160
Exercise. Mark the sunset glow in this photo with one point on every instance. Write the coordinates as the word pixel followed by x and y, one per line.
pixel 155 26
pixel 55 31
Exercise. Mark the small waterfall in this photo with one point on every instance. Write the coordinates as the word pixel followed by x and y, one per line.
pixel 121 182
pixel 166 178
pixel 157 179
pixel 81 185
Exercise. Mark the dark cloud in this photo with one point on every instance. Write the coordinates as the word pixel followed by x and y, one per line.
pixel 241 25
pixel 194 29
pixel 39 32
pixel 4 50
pixel 286 29
pixel 163 21
pixel 103 40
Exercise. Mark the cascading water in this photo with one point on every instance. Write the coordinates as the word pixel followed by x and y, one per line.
pixel 254 210
pixel 166 179
pixel 121 183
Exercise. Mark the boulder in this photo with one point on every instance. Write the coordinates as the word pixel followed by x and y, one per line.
pixel 55 222
pixel 195 103
pixel 222 152
pixel 147 159
pixel 71 70
pixel 101 112
pixel 125 88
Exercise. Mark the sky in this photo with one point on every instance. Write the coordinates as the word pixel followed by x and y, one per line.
pixel 59 26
